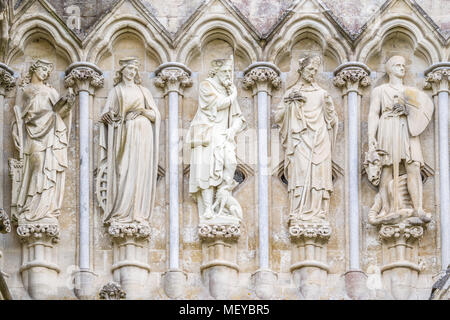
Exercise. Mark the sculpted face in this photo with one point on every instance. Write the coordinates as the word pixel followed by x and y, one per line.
pixel 224 75
pixel 42 72
pixel 309 72
pixel 396 67
pixel 129 72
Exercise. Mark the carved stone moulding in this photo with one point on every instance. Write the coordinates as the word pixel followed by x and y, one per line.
pixel 174 76
pixel 299 230
pixel 209 232
pixel 5 223
pixel 352 74
pixel 261 73
pixel 83 73
pixel 29 232
pixel 7 80
pixel 437 77
pixel 122 230
pixel 112 291
pixel 399 231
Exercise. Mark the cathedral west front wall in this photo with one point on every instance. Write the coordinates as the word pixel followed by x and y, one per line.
pixel 224 149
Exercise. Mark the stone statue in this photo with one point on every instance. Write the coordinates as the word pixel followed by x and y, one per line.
pixel 308 132
pixel 41 135
pixel 129 143
pixel 398 115
pixel 213 146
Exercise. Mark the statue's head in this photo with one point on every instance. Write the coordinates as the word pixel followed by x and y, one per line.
pixel 308 67
pixel 41 69
pixel 395 66
pixel 222 69
pixel 129 70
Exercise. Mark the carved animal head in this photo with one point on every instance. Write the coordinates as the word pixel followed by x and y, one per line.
pixel 372 164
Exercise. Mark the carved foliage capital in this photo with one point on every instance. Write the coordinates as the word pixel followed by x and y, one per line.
pixel 314 231
pixel 5 223
pixel 38 232
pixel 438 80
pixel 173 79
pixel 219 231
pixel 400 231
pixel 112 291
pixel 261 76
pixel 136 230
pixel 7 81
pixel 352 79
pixel 83 77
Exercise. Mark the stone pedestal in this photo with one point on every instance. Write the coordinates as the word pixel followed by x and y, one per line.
pixel 309 257
pixel 400 259
pixel 219 269
pixel 39 255
pixel 130 257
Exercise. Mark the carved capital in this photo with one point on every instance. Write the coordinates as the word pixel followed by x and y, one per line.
pixel 351 77
pixel 262 77
pixel 400 231
pixel 112 291
pixel 219 231
pixel 84 77
pixel 135 230
pixel 438 79
pixel 173 77
pixel 7 81
pixel 310 230
pixel 5 223
pixel 35 232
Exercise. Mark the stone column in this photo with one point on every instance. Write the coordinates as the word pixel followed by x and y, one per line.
pixel 437 79
pixel 84 77
pixel 7 82
pixel 262 77
pixel 351 77
pixel 173 77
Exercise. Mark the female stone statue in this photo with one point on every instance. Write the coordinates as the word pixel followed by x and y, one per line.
pixel 213 147
pixel 129 148
pixel 40 132
pixel 308 131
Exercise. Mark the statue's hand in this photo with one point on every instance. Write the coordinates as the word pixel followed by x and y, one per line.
pixel 150 114
pixel 108 118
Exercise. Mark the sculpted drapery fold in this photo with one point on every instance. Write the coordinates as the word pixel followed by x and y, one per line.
pixel 41 132
pixel 308 128
pixel 129 146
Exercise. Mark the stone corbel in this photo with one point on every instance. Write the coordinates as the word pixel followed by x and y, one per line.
pixel 84 78
pixel 351 77
pixel 219 268
pixel 262 78
pixel 130 257
pixel 173 78
pixel 5 223
pixel 401 268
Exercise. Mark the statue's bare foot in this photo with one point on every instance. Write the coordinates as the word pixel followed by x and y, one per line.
pixel 425 217
pixel 415 221
pixel 208 213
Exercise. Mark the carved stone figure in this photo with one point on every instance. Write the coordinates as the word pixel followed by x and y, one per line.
pixel 41 133
pixel 213 146
pixel 308 132
pixel 398 115
pixel 129 151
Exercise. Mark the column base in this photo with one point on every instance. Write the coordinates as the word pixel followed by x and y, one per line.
pixel 356 285
pixel 174 283
pixel 84 285
pixel 264 281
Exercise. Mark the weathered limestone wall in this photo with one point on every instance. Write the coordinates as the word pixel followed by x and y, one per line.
pixel 194 33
